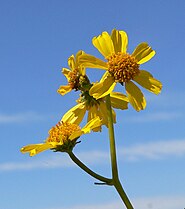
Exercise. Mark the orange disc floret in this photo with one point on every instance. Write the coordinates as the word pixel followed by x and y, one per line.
pixel 74 79
pixel 123 67
pixel 61 132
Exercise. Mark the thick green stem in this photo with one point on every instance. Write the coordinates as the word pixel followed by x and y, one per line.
pixel 115 176
pixel 89 171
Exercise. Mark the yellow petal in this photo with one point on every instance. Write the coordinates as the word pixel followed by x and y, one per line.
pixel 105 87
pixel 78 54
pixel 81 69
pixel 103 111
pixel 94 112
pixel 34 149
pixel 75 135
pixel 90 61
pixel 104 76
pixel 143 53
pixel 66 72
pixel 64 90
pixel 71 62
pixel 104 115
pixel 75 114
pixel 120 40
pixel 146 80
pixel 94 123
pixel 119 100
pixel 104 44
pixel 135 96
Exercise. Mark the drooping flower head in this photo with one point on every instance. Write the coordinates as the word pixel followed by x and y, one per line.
pixel 62 137
pixel 76 76
pixel 95 107
pixel 121 67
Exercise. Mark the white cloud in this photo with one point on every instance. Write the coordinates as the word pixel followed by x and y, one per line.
pixel 59 160
pixel 148 151
pixel 30 164
pixel 162 202
pixel 20 117
pixel 155 150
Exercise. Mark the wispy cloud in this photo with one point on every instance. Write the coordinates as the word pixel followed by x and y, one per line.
pixel 59 160
pixel 20 117
pixel 154 150
pixel 52 162
pixel 162 202
pixel 135 153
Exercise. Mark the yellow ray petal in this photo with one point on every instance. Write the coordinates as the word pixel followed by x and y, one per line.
pixel 103 112
pixel 94 112
pixel 75 114
pixel 104 44
pixel 66 72
pixel 135 96
pixel 78 54
pixel 34 149
pixel 99 90
pixel 119 100
pixel 104 76
pixel 120 40
pixel 75 135
pixel 143 53
pixel 146 80
pixel 64 90
pixel 80 68
pixel 72 62
pixel 90 61
pixel 94 123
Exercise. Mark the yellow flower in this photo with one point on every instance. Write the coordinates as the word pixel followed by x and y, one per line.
pixel 76 76
pixel 121 67
pixel 95 107
pixel 62 137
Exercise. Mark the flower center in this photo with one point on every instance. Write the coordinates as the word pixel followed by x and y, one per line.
pixel 61 132
pixel 78 81
pixel 74 79
pixel 123 67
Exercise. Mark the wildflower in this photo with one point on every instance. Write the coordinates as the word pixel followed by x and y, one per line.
pixel 76 76
pixel 62 137
pixel 121 67
pixel 95 107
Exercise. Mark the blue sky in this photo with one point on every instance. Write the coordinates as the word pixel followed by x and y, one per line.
pixel 37 37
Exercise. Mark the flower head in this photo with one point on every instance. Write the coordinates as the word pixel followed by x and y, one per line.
pixel 76 77
pixel 95 107
pixel 62 137
pixel 121 67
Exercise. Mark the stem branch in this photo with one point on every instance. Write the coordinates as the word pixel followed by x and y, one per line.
pixel 89 171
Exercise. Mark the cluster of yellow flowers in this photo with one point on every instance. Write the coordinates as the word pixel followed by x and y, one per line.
pixel 120 67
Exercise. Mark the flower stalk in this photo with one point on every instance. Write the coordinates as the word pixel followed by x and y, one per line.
pixel 105 180
pixel 115 176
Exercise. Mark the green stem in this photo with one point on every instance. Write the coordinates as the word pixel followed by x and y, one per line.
pixel 89 171
pixel 115 177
